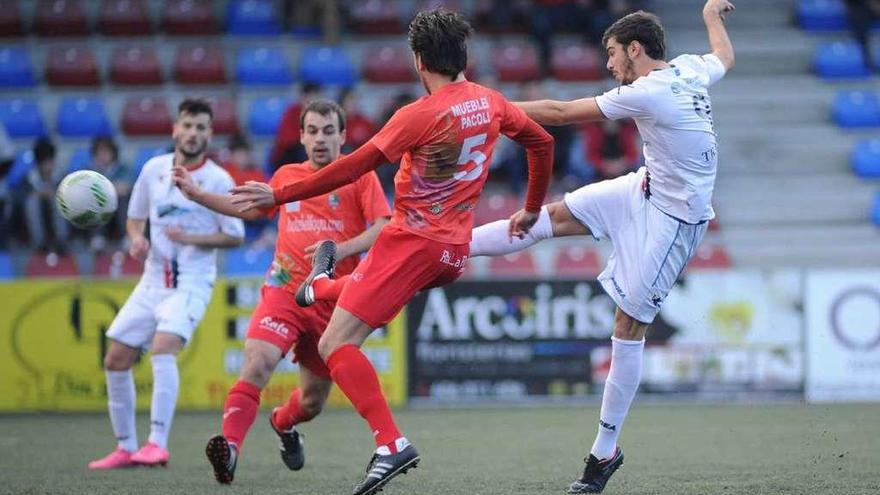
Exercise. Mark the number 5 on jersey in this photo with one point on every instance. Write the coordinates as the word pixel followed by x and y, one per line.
pixel 470 155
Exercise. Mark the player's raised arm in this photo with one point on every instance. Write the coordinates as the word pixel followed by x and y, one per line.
pixel 713 15
pixel 221 203
pixel 554 112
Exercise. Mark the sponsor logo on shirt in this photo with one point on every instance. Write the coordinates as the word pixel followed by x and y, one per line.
pixel 164 210
pixel 312 224
pixel 278 327
pixel 449 258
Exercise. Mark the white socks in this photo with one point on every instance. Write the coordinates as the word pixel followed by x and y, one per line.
pixel 165 384
pixel 121 401
pixel 491 239
pixel 620 388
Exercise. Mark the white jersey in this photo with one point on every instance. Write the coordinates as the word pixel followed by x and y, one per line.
pixel 672 109
pixel 154 196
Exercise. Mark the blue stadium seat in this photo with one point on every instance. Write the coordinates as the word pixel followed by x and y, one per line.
pixel 22 165
pixel 22 118
pixel 822 15
pixel 248 261
pixel 143 155
pixel 252 17
pixel 265 115
pixel 865 158
pixel 83 117
pixel 328 65
pixel 6 269
pixel 840 60
pixel 79 160
pixel 856 109
pixel 15 68
pixel 262 66
pixel 876 215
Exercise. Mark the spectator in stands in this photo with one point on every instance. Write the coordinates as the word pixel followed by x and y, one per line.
pixel 358 127
pixel 239 161
pixel 47 228
pixel 7 158
pixel 862 13
pixel 611 147
pixel 287 148
pixel 105 161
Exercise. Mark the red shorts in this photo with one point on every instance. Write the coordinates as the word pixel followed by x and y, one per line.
pixel 397 266
pixel 279 321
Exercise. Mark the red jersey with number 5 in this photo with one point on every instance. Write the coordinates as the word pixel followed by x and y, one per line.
pixel 446 141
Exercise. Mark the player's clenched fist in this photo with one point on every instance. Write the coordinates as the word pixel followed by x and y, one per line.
pixel 718 7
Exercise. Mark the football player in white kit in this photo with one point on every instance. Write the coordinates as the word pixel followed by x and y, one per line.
pixel 654 217
pixel 165 307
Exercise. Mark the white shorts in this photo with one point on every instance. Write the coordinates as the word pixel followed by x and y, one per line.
pixel 650 248
pixel 152 308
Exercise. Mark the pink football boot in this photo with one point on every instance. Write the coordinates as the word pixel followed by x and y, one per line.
pixel 151 455
pixel 119 458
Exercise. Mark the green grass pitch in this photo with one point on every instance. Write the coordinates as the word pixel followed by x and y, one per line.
pixel 677 449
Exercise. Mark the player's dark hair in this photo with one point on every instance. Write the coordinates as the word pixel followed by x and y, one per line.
pixel 323 107
pixel 43 150
pixel 640 26
pixel 107 141
pixel 439 37
pixel 195 106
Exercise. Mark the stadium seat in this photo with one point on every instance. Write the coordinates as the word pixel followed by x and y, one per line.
pixel 495 206
pixel 709 256
pixel 117 265
pixel 246 260
pixel 577 262
pixel 21 166
pixel 80 159
pixel 135 65
pixel 61 18
pixel 262 66
pixel 144 154
pixel 50 265
pixel 865 159
pixel 22 118
pixel 124 18
pixel 514 265
pixel 7 271
pixel 376 17
pixel 875 216
pixel 328 65
pixel 822 15
pixel 83 117
pixel 11 21
pixel 840 60
pixel 853 109
pixel 225 115
pixel 252 17
pixel 265 114
pixel 515 62
pixel 199 65
pixel 189 17
pixel 576 62
pixel 146 116
pixel 15 68
pixel 388 63
pixel 72 66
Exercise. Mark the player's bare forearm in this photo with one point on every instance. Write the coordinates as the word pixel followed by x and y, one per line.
pixel 361 242
pixel 135 228
pixel 222 203
pixel 713 15
pixel 215 240
pixel 555 112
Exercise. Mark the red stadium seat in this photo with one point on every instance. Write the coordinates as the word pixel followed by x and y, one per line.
pixel 146 117
pixel 576 62
pixel 225 115
pixel 199 65
pixel 577 262
pixel 61 18
pixel 51 265
pixel 515 62
pixel 195 17
pixel 376 17
pixel 72 66
pixel 519 264
pixel 116 265
pixel 135 66
pixel 486 20
pixel 495 206
pixel 709 256
pixel 124 18
pixel 11 22
pixel 388 63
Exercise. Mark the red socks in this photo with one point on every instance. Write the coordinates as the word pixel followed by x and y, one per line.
pixel 356 377
pixel 291 413
pixel 329 290
pixel 240 411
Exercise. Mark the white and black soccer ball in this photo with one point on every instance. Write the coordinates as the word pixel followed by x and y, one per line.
pixel 86 199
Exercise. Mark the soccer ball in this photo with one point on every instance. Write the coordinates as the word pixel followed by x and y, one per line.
pixel 86 199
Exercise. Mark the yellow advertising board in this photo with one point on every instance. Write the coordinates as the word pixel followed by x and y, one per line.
pixel 52 345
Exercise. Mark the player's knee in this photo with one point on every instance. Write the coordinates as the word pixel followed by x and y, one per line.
pixel 563 222
pixel 326 346
pixel 117 360
pixel 628 328
pixel 257 369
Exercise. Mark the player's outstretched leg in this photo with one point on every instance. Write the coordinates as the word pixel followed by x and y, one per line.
pixel 223 457
pixel 323 264
pixel 597 473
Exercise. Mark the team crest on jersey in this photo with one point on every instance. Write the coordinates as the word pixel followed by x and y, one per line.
pixel 436 208
pixel 333 200
pixel 292 207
